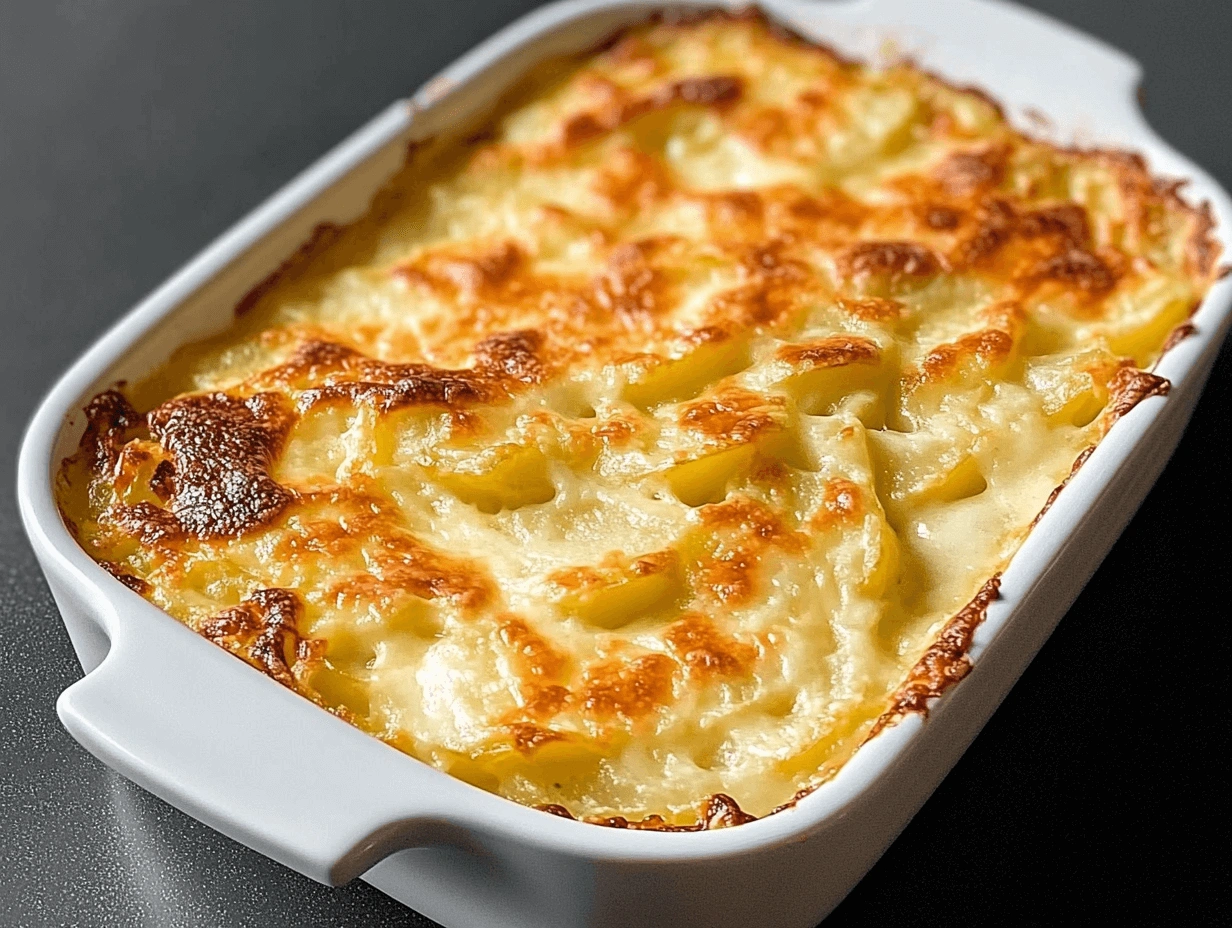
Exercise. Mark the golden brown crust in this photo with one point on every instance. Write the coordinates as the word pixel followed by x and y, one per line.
pixel 627 689
pixel 262 630
pixel 669 310
pixel 503 364
pixel 745 532
pixel 1052 497
pixel 945 662
pixel 223 447
pixel 111 422
pixel 715 90
pixel 833 351
pixel 841 502
pixel 707 652
pixel 966 173
pixel 892 260
pixel 1129 387
pixel 733 415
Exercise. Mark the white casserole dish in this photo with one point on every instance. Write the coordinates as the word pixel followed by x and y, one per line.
pixel 231 747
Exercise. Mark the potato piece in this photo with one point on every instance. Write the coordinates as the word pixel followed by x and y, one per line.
pixel 1143 323
pixel 1073 388
pixel 519 477
pixel 684 378
pixel 919 467
pixel 705 479
pixel 615 593
pixel 962 482
pixel 822 373
pixel 340 690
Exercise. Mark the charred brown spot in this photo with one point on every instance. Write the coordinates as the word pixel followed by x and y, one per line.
pixel 398 564
pixel 721 811
pixel 513 354
pixel 1129 387
pixel 111 422
pixel 484 274
pixel 583 127
pixel 630 287
pixel 941 218
pixel 542 701
pixel 745 531
pixel 994 227
pixel 748 516
pixel 842 502
pixel 1203 249
pixel 504 364
pixel 704 91
pixel 403 566
pixel 717 91
pixel 528 737
pixel 629 179
pixel 535 653
pixel 718 811
pixel 987 346
pixel 223 447
pixel 552 808
pixel 1069 221
pixel 152 525
pixel 735 415
pixel 774 282
pixel 735 208
pixel 1078 268
pixel 649 823
pixel 944 663
pixel 263 630
pixel 490 270
pixel 162 481
pixel 894 260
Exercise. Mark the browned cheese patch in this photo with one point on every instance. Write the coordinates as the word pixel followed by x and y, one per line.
pixel 944 663
pixel 223 447
pixel 707 652
pixel 503 364
pixel 626 689
pixel 262 630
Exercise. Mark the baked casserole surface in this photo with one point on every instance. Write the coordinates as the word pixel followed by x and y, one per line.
pixel 639 456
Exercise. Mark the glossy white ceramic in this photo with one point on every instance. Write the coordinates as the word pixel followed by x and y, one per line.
pixel 236 750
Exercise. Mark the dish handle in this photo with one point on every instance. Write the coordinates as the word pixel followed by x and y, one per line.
pixel 313 793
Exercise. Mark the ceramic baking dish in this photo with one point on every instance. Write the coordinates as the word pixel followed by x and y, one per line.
pixel 249 757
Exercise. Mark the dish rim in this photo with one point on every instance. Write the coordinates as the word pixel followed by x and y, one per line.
pixel 59 553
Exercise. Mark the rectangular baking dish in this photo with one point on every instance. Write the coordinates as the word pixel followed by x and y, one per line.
pixel 245 755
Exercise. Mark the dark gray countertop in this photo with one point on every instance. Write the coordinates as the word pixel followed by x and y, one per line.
pixel 134 131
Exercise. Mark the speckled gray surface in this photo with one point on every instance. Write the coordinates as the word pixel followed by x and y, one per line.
pixel 134 131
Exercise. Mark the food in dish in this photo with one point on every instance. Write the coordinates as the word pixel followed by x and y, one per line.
pixel 639 456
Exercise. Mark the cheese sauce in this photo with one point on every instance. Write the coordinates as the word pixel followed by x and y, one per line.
pixel 637 451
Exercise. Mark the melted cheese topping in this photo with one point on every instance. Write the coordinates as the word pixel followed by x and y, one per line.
pixel 638 450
